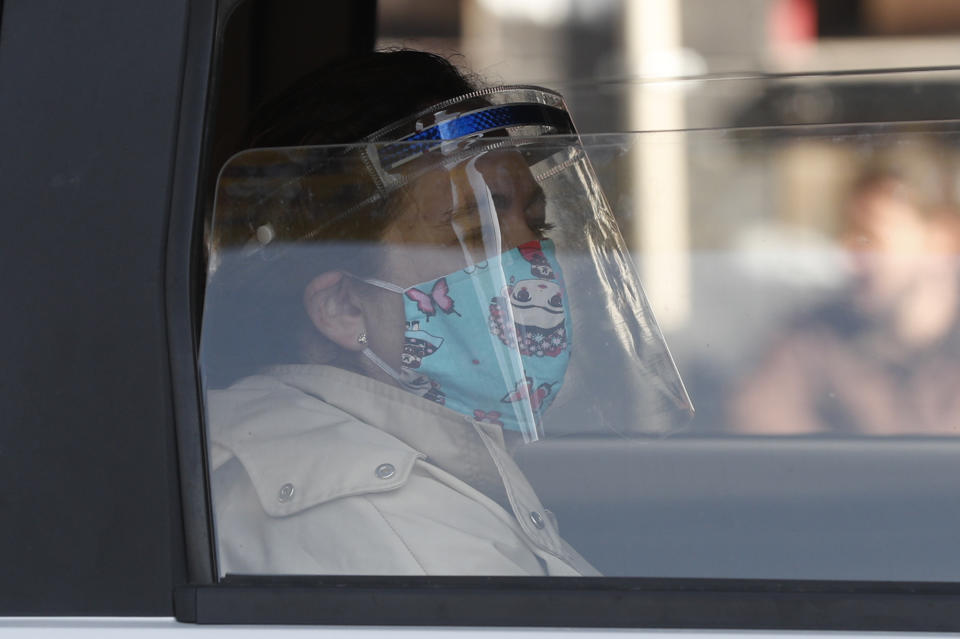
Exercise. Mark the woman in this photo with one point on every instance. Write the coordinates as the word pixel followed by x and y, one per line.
pixel 431 326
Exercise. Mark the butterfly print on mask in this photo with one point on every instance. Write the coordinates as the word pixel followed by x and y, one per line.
pixel 538 328
pixel 525 391
pixel 438 298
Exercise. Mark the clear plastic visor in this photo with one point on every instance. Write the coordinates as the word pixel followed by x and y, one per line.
pixel 491 279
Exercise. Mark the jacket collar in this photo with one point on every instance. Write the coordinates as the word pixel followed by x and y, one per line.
pixel 471 451
pixel 322 450
pixel 444 437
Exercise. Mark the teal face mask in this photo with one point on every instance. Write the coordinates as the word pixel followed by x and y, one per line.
pixel 491 341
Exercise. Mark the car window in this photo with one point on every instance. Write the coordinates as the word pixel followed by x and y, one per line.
pixel 810 304
pixel 619 314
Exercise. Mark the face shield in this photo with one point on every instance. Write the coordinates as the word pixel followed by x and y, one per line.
pixel 494 277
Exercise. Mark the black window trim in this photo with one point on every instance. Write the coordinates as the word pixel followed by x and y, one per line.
pixel 184 255
pixel 575 602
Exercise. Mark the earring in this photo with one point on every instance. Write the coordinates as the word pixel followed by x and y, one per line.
pixel 362 338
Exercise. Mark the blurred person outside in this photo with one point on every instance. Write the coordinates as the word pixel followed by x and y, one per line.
pixel 883 356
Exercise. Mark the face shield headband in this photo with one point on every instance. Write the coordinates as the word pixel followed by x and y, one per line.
pixel 461 126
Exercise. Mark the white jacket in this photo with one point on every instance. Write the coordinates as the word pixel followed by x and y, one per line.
pixel 316 470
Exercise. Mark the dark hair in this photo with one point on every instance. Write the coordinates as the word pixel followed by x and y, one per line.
pixel 253 310
pixel 348 99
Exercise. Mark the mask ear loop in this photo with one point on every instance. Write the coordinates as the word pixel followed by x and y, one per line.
pixel 393 288
pixel 382 365
pixel 508 360
pixel 367 352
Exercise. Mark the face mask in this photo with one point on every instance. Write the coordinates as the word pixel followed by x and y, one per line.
pixel 491 341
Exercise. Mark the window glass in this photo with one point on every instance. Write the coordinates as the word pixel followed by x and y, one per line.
pixel 477 351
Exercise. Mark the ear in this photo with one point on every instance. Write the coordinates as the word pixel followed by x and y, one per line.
pixel 332 307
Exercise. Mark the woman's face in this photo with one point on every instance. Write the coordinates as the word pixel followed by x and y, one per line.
pixel 441 220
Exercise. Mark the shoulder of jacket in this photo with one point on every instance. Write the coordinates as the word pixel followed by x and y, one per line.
pixel 298 450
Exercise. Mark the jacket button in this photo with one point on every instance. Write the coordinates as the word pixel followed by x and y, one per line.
pixel 537 519
pixel 386 471
pixel 286 493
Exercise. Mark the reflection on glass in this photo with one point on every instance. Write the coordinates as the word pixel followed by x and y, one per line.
pixel 881 356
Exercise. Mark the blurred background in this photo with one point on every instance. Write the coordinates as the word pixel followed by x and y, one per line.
pixel 570 40
pixel 790 193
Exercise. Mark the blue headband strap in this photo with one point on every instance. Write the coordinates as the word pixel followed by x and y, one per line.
pixel 498 117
